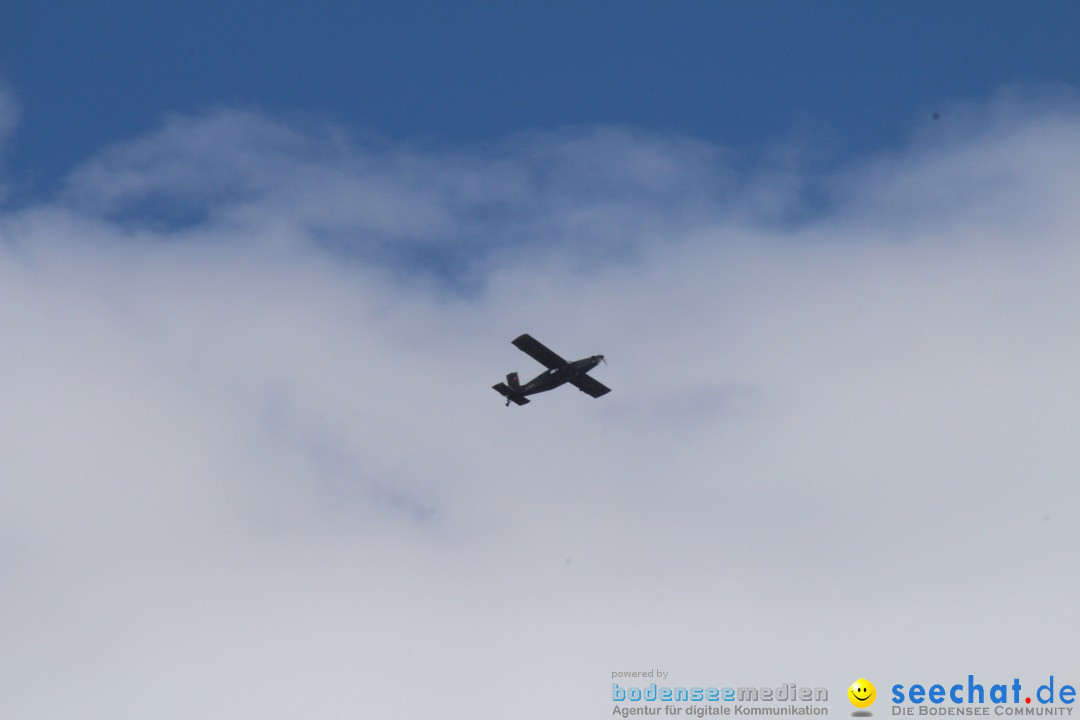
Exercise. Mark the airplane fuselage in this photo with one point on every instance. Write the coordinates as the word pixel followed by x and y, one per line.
pixel 553 378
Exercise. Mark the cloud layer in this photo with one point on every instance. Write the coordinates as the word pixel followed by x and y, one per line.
pixel 253 465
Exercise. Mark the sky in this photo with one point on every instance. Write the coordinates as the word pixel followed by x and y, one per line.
pixel 259 270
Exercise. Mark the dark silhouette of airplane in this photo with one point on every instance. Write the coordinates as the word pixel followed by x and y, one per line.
pixel 559 371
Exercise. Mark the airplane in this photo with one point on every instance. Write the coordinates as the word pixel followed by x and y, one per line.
pixel 559 371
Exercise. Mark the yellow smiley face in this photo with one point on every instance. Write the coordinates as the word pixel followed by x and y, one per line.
pixel 862 693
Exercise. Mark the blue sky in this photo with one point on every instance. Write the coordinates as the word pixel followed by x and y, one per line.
pixel 848 77
pixel 259 271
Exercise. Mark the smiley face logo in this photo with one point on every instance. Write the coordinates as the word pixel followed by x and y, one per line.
pixel 862 693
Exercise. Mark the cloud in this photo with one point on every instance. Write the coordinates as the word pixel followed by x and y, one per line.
pixel 253 464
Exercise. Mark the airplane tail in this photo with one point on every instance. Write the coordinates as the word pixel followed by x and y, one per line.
pixel 511 395
pixel 512 381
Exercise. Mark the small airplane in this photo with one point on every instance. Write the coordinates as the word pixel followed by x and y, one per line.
pixel 559 371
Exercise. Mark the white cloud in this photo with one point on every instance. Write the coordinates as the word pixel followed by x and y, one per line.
pixel 254 466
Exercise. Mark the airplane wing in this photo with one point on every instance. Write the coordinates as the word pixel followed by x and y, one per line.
pixel 590 385
pixel 538 351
